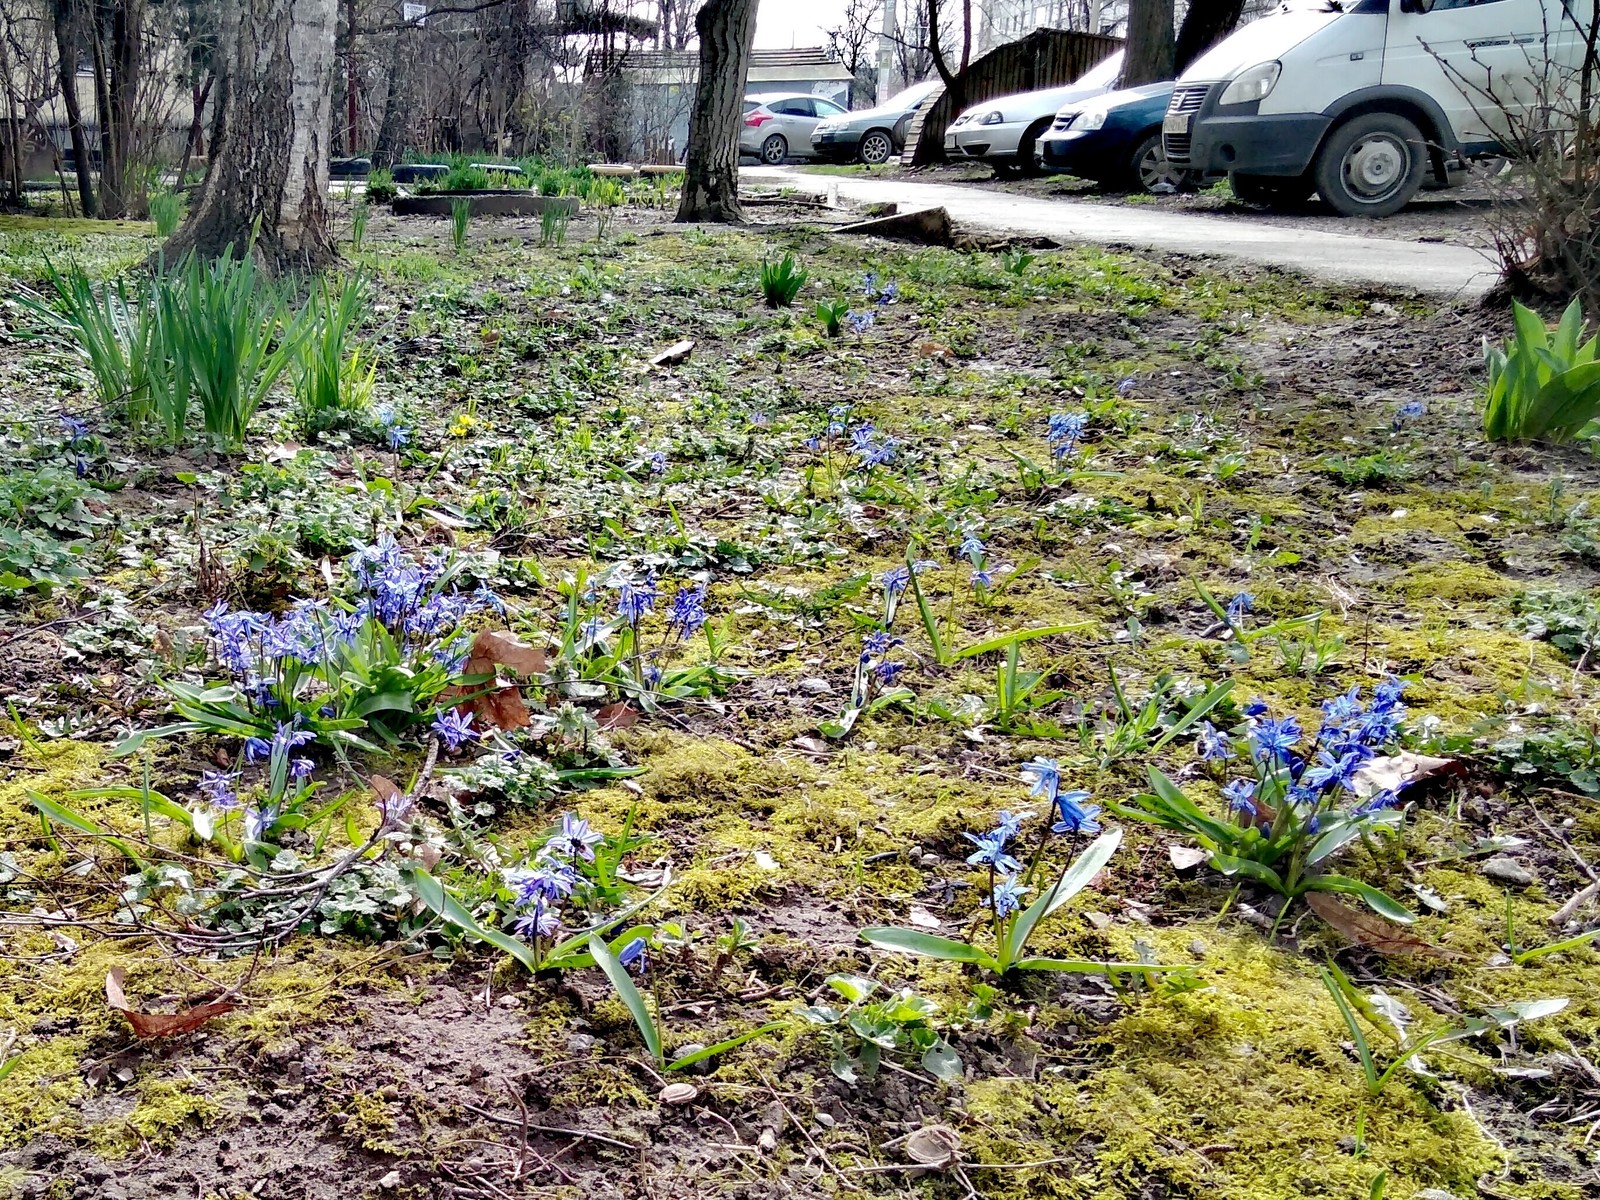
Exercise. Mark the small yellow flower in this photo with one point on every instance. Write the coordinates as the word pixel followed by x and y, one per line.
pixel 464 424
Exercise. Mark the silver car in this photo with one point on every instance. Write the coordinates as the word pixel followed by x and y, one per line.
pixel 777 125
pixel 1005 131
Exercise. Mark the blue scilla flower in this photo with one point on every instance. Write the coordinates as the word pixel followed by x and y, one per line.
pixel 547 879
pixel 1241 795
pixel 1409 411
pixel 221 788
pixel 982 577
pixel 258 821
pixel 888 672
pixel 688 613
pixel 575 838
pixel 1008 894
pixel 454 729
pixel 1237 607
pixel 396 436
pixel 73 428
pixel 1256 708
pixel 256 749
pixel 1339 711
pixel 888 293
pixel 1076 816
pixel 1043 777
pixel 1010 823
pixel 991 852
pixel 634 600
pixel 878 643
pixel 972 547
pixel 1273 739
pixel 1211 744
pixel 860 322
pixel 634 956
pixel 1335 769
pixel 896 579
pixel 657 463
pixel 1063 430
pixel 540 921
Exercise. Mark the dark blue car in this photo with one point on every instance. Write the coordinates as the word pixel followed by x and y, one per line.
pixel 1114 139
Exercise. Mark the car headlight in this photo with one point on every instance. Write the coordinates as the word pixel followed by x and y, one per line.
pixel 823 127
pixel 1090 118
pixel 1255 84
pixel 992 117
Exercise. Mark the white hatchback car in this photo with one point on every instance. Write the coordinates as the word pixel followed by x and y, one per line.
pixel 1002 132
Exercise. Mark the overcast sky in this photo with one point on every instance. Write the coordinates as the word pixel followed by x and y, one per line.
pixel 781 24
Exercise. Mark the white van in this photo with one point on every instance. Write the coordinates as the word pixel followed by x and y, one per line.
pixel 1357 99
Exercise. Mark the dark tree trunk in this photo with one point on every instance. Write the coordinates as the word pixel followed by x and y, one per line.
pixel 391 144
pixel 118 30
pixel 954 84
pixel 727 29
pixel 1147 54
pixel 966 34
pixel 1205 24
pixel 195 142
pixel 67 69
pixel 270 163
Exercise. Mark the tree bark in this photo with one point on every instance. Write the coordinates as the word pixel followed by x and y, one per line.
pixel 727 30
pixel 67 67
pixel 1205 24
pixel 1148 51
pixel 391 144
pixel 270 162
pixel 195 142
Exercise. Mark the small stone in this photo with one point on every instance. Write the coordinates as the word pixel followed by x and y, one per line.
pixel 704 1067
pixel 1504 869
pixel 1436 1194
pixel 678 1093
pixel 510 1002
pixel 272 1114
pixel 390 1181
pixel 580 1043
pixel 826 1120
pixel 1197 948
pixel 813 685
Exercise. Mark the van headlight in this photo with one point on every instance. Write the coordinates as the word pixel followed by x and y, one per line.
pixel 992 117
pixel 1252 85
pixel 1090 118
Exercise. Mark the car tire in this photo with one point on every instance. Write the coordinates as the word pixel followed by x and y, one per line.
pixel 876 147
pixel 1371 166
pixel 1148 168
pixel 1272 191
pixel 1027 165
pixel 775 149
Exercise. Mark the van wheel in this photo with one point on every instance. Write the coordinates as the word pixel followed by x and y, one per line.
pixel 1371 166
pixel 1271 191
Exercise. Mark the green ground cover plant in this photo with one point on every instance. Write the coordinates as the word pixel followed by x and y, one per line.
pixel 578 773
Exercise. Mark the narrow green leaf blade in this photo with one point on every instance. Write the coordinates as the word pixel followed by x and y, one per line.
pixel 628 993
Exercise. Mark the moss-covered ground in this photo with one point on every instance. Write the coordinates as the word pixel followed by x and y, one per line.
pixel 1247 432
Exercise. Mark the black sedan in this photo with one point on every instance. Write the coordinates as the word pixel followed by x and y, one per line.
pixel 1115 140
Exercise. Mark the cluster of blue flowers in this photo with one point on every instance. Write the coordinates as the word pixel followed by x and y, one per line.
pixel 635 599
pixel 874 449
pixel 1072 816
pixel 687 616
pixel 876 647
pixel 288 776
pixel 1351 734
pixel 887 293
pixel 541 889
pixel 1064 431
pixel 395 435
pixel 404 596
pixel 975 552
pixel 897 579
pixel 76 432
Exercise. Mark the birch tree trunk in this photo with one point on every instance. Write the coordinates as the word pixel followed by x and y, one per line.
pixel 727 30
pixel 270 162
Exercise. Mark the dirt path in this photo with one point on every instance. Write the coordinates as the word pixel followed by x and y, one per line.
pixel 1435 268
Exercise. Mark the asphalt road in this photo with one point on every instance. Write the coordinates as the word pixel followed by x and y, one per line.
pixel 1437 268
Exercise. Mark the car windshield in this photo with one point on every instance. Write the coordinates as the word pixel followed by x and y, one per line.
pixel 911 96
pixel 1102 74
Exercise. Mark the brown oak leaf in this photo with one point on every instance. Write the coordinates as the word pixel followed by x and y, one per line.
pixel 1369 929
pixel 161 1025
pixel 496 703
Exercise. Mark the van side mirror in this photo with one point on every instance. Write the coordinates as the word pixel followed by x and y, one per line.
pixel 1416 6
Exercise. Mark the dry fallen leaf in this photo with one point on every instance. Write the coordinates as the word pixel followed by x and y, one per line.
pixel 1393 772
pixel 161 1025
pixel 934 1146
pixel 674 354
pixel 1186 858
pixel 934 350
pixel 1369 929
pixel 620 715
pixel 501 706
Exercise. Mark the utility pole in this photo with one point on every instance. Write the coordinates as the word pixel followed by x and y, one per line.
pixel 886 51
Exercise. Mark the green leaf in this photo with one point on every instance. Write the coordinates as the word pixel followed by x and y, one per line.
pixel 940 1061
pixel 1197 710
pixel 629 994
pixel 1076 878
pixel 914 941
pixel 1377 901
pixel 1230 864
pixel 688 1060
pixel 433 894
pixel 1006 640
pixel 132 743
pixel 854 988
pixel 65 816
pixel 10 1064
pixel 1565 404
